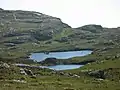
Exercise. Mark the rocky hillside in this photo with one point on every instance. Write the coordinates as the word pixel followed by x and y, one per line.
pixel 28 31
pixel 20 29
pixel 25 26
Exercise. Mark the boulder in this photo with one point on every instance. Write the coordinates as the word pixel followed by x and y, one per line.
pixel 30 73
pixel 4 65
pixel 22 71
pixel 97 74
pixel 75 75
pixel 20 81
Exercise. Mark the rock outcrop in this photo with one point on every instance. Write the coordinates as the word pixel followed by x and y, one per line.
pixel 110 73
pixel 29 25
pixel 4 65
pixel 92 28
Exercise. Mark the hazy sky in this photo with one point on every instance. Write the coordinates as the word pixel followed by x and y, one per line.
pixel 73 12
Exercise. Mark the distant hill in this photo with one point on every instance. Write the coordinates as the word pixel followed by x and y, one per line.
pixel 32 31
pixel 29 25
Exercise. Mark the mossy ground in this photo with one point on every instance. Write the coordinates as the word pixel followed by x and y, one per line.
pixel 58 82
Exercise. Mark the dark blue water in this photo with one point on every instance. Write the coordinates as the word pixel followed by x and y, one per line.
pixel 59 55
pixel 64 67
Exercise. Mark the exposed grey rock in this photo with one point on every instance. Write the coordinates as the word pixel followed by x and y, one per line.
pixel 75 75
pixel 30 73
pixel 118 55
pixel 100 79
pixel 4 65
pixel 22 71
pixel 68 74
pixel 27 72
pixel 64 39
pixel 97 73
pixel 20 81
pixel 92 28
pixel 62 73
pixel 9 44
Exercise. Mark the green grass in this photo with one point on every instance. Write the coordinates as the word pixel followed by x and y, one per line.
pixel 103 65
pixel 65 33
pixel 61 83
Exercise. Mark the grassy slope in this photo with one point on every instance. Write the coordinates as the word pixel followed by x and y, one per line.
pixel 64 83
pixel 45 80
